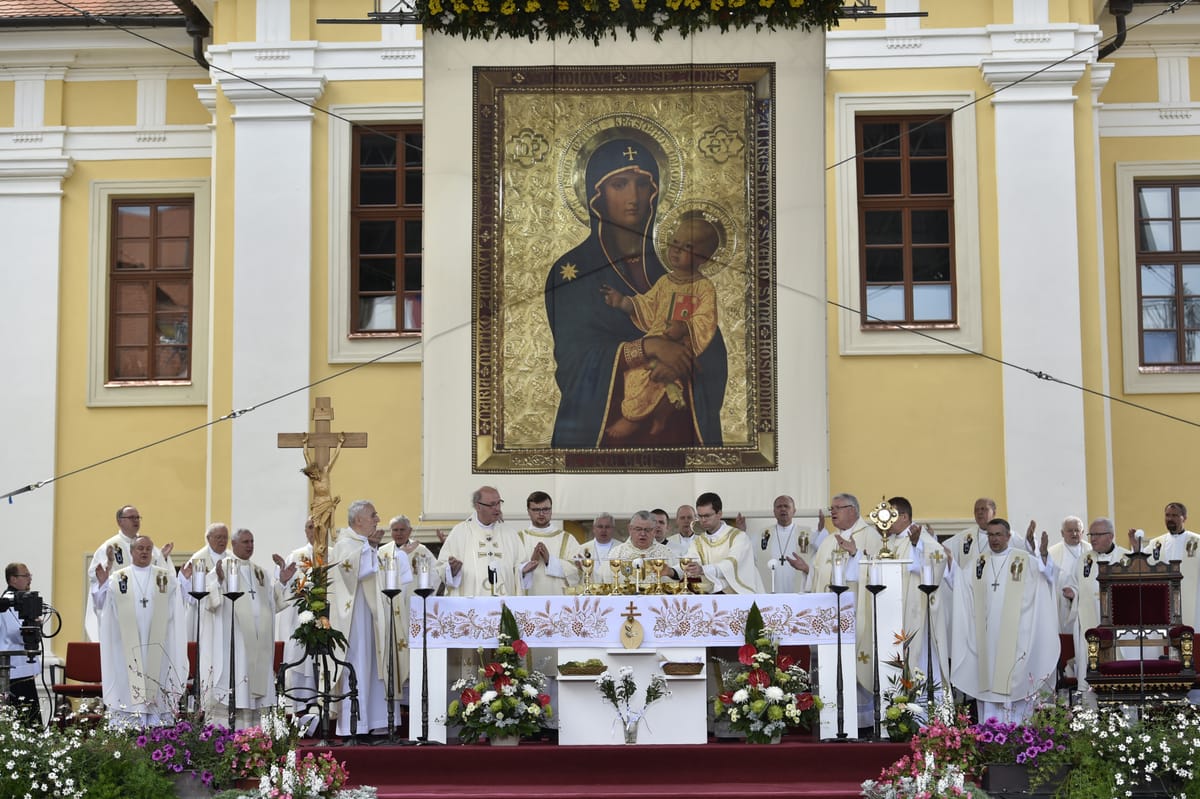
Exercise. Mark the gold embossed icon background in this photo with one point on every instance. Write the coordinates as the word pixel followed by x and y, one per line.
pixel 710 135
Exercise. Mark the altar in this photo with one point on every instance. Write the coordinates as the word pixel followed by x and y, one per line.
pixel 677 628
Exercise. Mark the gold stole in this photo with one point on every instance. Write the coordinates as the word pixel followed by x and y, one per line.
pixel 1019 570
pixel 144 687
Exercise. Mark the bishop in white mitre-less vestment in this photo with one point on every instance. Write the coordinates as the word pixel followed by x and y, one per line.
pixel 252 617
pixel 143 654
pixel 1005 644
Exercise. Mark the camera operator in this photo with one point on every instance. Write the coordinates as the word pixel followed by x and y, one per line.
pixel 23 676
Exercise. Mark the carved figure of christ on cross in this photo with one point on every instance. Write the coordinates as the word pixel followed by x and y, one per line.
pixel 319 467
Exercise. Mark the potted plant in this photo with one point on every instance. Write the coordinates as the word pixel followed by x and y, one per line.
pixel 770 693
pixel 507 700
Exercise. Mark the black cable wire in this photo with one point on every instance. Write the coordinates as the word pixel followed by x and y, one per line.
pixel 233 414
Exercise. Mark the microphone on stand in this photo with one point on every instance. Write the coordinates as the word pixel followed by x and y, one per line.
pixel 492 578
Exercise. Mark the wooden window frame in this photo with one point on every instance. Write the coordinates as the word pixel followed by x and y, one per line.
pixel 905 202
pixel 152 276
pixel 400 213
pixel 1176 257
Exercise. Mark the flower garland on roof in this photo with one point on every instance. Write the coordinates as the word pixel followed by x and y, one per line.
pixel 594 20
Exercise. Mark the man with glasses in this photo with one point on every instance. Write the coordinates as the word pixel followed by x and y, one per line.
pixel 481 557
pixel 723 556
pixel 1081 589
pixel 115 553
pixel 548 547
pixel 22 685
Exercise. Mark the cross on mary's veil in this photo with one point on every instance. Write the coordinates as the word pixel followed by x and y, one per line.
pixel 316 446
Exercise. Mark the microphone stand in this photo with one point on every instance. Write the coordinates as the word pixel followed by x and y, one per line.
pixel 425 593
pixel 877 698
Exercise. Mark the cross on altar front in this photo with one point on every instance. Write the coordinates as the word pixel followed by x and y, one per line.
pixel 319 464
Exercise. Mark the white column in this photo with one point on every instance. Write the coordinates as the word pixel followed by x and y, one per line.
pixel 1038 264
pixel 30 227
pixel 272 266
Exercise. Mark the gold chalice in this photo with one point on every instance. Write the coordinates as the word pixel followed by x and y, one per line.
pixel 586 565
pixel 691 582
pixel 658 565
pixel 617 565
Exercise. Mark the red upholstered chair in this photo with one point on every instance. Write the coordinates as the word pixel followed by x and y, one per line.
pixel 1140 620
pixel 1066 652
pixel 82 669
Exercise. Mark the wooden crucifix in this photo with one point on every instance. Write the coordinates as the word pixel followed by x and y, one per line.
pixel 319 467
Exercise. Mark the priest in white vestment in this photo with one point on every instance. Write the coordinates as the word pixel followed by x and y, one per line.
pixel 968 544
pixel 1064 555
pixel 298 680
pixel 1005 645
pixel 481 557
pixel 252 618
pixel 114 553
pixel 723 557
pixel 1082 590
pixel 910 541
pixel 205 559
pixel 419 557
pixel 853 541
pixel 550 549
pixel 356 607
pixel 600 547
pixel 783 551
pixel 682 540
pixel 642 548
pixel 143 655
pixel 1180 544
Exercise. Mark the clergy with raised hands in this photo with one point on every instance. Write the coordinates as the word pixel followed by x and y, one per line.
pixel 204 560
pixel 784 550
pixel 143 655
pixel 480 556
pixel 1081 588
pixel 909 541
pixel 721 556
pixel 252 616
pixel 418 557
pixel 549 548
pixel 1065 554
pixel 1005 641
pixel 299 682
pixel 1181 544
pixel 116 553
pixel 358 609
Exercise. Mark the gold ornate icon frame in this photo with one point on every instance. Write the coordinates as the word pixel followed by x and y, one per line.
pixel 710 130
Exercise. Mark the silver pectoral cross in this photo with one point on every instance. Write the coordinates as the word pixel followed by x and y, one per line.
pixel 144 601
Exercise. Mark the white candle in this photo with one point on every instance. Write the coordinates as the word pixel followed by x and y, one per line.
pixel 199 576
pixel 876 573
pixel 390 578
pixel 927 574
pixel 423 575
pixel 839 572
pixel 231 582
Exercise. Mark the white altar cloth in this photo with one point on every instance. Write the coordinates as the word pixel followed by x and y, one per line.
pixel 672 621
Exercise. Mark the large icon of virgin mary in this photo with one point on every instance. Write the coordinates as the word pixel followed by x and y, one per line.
pixel 596 343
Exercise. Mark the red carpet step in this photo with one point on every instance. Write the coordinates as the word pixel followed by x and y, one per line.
pixel 798 769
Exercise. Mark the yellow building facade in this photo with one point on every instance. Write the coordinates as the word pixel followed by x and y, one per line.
pixel 1055 158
